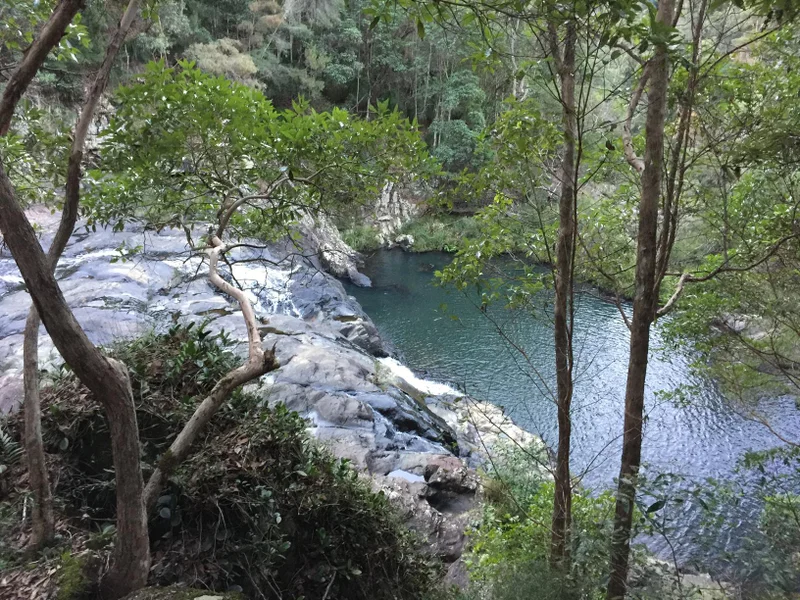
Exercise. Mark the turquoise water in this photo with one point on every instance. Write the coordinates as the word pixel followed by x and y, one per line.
pixel 515 369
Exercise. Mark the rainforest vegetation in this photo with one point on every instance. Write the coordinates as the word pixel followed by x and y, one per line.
pixel 646 148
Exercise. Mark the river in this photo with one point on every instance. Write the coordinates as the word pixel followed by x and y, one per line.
pixel 458 344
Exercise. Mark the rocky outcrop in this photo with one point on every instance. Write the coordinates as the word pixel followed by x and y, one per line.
pixel 320 240
pixel 419 441
pixel 393 209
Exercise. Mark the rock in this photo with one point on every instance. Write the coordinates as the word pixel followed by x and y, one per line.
pixel 321 238
pixel 343 410
pixel 451 485
pixel 394 207
pixel 404 241
pixel 457 575
pixel 364 335
pixel 419 441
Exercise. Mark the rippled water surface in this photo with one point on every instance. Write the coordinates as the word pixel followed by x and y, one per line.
pixel 461 345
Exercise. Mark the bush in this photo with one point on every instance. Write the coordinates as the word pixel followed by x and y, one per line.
pixel 361 238
pixel 509 548
pixel 509 552
pixel 258 506
pixel 440 233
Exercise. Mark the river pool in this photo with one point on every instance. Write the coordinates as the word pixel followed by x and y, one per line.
pixel 460 345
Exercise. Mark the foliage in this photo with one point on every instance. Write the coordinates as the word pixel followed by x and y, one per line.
pixel 439 232
pixel 73 583
pixel 171 29
pixel 361 238
pixel 259 505
pixel 207 143
pixel 520 221
pixel 223 57
pixel 19 20
pixel 10 451
pixel 752 346
pixel 509 549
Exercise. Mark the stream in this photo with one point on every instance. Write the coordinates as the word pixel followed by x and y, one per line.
pixel 460 345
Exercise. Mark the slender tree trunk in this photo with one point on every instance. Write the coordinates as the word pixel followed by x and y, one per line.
pixel 42 518
pixel 562 502
pixel 43 524
pixel 106 379
pixel 644 310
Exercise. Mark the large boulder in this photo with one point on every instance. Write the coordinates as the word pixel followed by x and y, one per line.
pixel 321 238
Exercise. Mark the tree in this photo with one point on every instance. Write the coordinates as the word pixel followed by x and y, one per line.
pixel 43 527
pixel 213 151
pixel 645 303
pixel 664 177
pixel 106 378
pixel 557 33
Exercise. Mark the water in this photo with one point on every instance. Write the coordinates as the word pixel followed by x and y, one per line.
pixel 462 345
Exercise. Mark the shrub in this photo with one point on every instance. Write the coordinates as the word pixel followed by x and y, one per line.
pixel 442 233
pixel 510 546
pixel 258 506
pixel 361 238
pixel 509 552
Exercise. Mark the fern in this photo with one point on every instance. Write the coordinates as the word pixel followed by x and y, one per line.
pixel 10 451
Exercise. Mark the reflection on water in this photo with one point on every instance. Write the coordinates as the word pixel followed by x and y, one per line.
pixel 460 344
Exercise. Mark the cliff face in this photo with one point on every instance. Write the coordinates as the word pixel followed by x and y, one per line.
pixel 418 440
pixel 392 210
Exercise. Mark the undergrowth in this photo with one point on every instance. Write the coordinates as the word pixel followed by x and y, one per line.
pixel 361 238
pixel 439 232
pixel 258 507
pixel 510 545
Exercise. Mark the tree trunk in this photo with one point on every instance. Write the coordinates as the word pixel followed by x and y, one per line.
pixel 644 309
pixel 42 519
pixel 562 501
pixel 106 379
pixel 43 524
pixel 34 56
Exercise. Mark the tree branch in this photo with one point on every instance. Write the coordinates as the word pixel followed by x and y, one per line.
pixel 689 278
pixel 34 57
pixel 627 137
pixel 258 363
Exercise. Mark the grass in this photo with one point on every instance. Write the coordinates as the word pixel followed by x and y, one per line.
pixel 431 233
pixel 361 238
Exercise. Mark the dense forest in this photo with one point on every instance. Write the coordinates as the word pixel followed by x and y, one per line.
pixel 224 419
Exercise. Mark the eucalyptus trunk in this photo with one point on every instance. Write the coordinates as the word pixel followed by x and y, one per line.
pixel 107 379
pixel 645 304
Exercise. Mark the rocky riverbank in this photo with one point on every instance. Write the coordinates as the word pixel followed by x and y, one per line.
pixel 419 441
